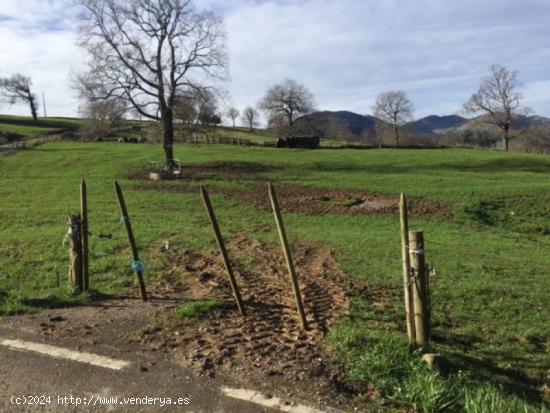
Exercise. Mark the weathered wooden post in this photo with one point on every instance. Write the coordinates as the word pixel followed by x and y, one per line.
pixel 136 265
pixel 287 254
pixel 221 245
pixel 407 285
pixel 420 296
pixel 74 235
pixel 84 229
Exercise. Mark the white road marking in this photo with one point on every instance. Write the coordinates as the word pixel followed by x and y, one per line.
pixel 266 401
pixel 63 353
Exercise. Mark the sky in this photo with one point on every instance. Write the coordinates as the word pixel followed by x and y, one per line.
pixel 345 52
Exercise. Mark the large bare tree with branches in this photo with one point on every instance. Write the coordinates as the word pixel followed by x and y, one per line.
pixel 149 52
pixel 498 98
pixel 287 100
pixel 395 108
pixel 17 88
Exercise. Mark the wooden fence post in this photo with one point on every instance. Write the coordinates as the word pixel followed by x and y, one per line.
pixel 287 254
pixel 221 245
pixel 136 265
pixel 407 287
pixel 84 227
pixel 420 296
pixel 74 236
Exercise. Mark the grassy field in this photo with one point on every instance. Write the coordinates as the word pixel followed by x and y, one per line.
pixel 491 256
pixel 259 136
pixel 26 126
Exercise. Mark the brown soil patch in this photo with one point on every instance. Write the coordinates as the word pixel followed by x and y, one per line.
pixel 266 348
pixel 306 200
pixel 322 201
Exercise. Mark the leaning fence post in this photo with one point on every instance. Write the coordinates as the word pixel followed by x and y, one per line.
pixel 136 265
pixel 407 287
pixel 420 295
pixel 219 239
pixel 287 254
pixel 84 227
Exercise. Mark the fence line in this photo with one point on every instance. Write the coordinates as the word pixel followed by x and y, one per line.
pixel 25 144
pixel 217 140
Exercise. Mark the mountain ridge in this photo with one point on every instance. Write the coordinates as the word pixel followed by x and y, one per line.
pixel 354 127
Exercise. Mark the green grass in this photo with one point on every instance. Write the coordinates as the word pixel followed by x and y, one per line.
pixel 490 292
pixel 258 136
pixel 195 310
pixel 26 126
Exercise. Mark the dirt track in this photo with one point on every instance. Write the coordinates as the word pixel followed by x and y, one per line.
pixel 267 348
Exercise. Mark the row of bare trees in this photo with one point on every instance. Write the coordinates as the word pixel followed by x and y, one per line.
pixel 283 104
pixel 497 98
pixel 165 60
pixel 250 116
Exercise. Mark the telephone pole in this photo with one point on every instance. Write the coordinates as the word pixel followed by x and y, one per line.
pixel 44 104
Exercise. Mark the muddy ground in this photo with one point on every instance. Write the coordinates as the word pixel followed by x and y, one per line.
pixel 266 349
pixel 291 198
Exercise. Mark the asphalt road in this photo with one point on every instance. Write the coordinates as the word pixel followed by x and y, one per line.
pixel 95 354
pixel 24 373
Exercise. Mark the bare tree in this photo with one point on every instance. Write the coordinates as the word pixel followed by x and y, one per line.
pixel 185 109
pixel 233 113
pixel 207 107
pixel 395 108
pixel 250 117
pixel 102 117
pixel 147 51
pixel 498 98
pixel 287 100
pixel 17 88
pixel 535 140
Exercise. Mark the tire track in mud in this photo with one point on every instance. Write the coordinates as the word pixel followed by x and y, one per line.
pixel 269 337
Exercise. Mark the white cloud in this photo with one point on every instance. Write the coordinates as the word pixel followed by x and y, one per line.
pixel 37 39
pixel 346 52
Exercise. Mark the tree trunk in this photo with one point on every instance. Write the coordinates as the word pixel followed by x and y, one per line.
pixel 33 106
pixel 168 138
pixel 396 134
pixel 505 137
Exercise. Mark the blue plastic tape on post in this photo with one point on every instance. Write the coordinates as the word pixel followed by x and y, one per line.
pixel 138 266
pixel 125 218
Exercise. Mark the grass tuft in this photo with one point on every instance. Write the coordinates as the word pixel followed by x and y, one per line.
pixel 195 310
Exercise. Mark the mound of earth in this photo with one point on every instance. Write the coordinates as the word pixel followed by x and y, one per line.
pixel 266 348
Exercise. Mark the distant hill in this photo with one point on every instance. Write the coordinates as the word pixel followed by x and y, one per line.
pixel 436 124
pixel 353 127
pixel 439 126
pixel 340 125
